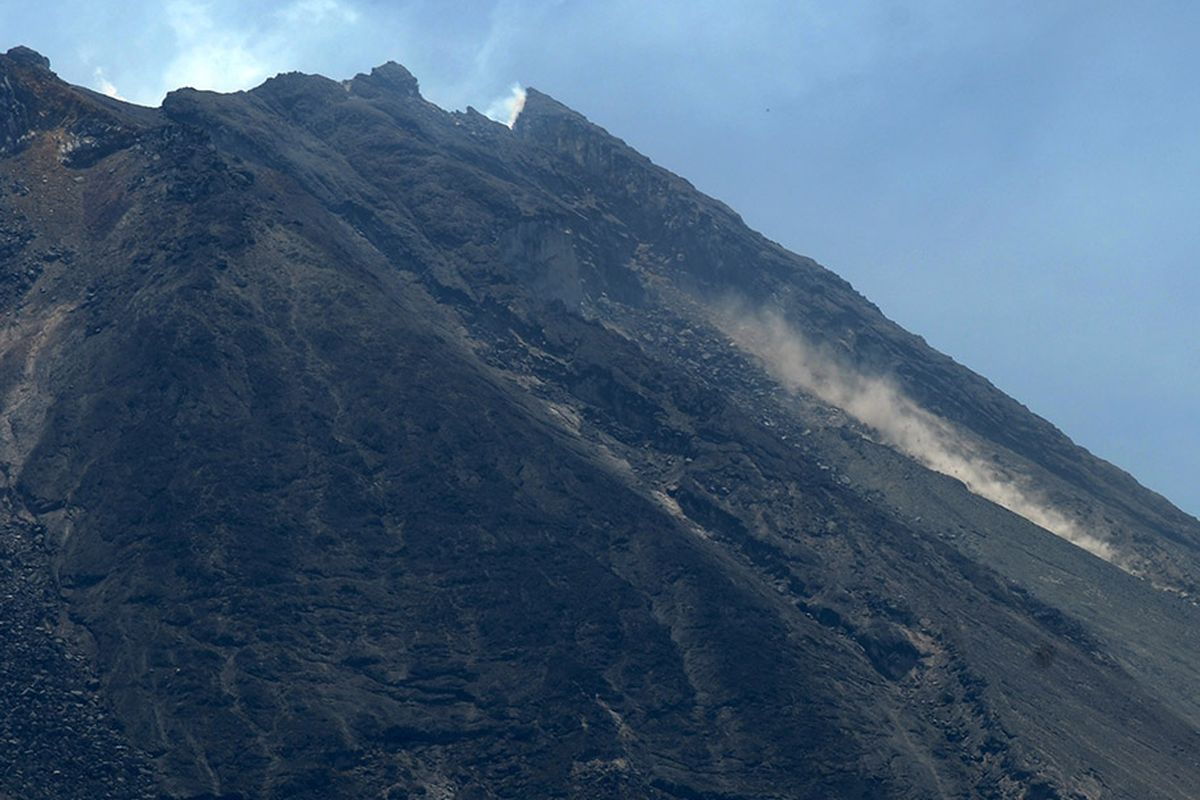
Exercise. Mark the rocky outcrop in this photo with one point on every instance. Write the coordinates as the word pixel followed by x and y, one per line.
pixel 85 126
pixel 14 119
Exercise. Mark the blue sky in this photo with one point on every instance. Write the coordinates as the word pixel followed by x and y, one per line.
pixel 1019 182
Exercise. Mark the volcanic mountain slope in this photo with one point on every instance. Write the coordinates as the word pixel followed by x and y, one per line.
pixel 354 448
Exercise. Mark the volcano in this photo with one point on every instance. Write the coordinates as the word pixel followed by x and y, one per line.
pixel 351 447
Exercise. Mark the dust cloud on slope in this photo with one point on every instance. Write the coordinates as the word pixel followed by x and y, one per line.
pixel 877 402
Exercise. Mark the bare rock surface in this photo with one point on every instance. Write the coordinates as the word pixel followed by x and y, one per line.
pixel 354 448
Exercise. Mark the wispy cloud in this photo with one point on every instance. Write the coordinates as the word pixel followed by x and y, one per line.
pixel 221 46
pixel 102 84
pixel 210 55
pixel 309 12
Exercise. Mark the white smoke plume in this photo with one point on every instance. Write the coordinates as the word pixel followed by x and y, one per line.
pixel 104 85
pixel 881 405
pixel 509 107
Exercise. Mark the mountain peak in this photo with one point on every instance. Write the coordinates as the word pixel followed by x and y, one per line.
pixel 27 55
pixel 391 77
pixel 541 110
pixel 546 104
pixel 556 126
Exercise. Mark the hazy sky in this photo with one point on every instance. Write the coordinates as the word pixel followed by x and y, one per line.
pixel 1019 182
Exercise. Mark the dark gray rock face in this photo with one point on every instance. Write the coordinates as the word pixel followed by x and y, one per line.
pixel 354 448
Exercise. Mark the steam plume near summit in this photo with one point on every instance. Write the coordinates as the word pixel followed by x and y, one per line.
pixel 801 366
pixel 508 108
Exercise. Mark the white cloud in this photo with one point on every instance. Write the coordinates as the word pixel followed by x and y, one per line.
pixel 304 12
pixel 221 46
pixel 210 56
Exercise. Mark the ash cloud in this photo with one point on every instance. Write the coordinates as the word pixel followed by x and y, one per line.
pixel 877 402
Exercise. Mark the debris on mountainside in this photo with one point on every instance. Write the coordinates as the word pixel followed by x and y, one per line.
pixel 57 737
